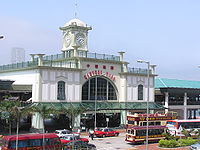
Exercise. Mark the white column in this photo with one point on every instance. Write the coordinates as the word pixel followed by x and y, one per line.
pixel 123 87
pixel 37 121
pixel 121 54
pixel 185 106
pixel 153 69
pixel 77 121
pixel 38 87
pixel 123 116
pixel 40 59
pixel 166 101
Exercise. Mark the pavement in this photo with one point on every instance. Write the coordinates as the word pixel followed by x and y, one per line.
pixel 151 146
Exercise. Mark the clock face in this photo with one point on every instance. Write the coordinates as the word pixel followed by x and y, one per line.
pixel 67 39
pixel 80 39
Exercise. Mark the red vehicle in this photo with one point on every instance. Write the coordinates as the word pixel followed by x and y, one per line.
pixel 103 132
pixel 32 142
pixel 72 137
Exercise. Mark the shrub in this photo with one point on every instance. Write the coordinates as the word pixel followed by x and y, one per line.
pixel 179 143
pixel 168 143
pixel 168 136
pixel 187 142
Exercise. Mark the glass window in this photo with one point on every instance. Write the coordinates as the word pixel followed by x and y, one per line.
pixel 140 92
pixel 61 90
pixel 98 88
pixel 21 144
pixel 157 123
pixel 35 142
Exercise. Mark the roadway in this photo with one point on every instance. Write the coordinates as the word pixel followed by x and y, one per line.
pixel 111 143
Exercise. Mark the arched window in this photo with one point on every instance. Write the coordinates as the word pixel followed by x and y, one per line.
pixel 61 90
pixel 98 88
pixel 140 92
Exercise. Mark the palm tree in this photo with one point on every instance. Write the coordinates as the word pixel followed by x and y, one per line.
pixel 72 112
pixel 14 110
pixel 18 113
pixel 7 108
pixel 44 111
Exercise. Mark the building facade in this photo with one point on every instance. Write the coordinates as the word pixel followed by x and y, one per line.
pixel 182 96
pixel 102 83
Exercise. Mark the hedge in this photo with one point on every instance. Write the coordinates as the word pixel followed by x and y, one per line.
pixel 174 143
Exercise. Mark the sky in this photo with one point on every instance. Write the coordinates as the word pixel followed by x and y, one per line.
pixel 163 32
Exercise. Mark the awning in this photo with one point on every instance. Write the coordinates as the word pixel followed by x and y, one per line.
pixel 101 105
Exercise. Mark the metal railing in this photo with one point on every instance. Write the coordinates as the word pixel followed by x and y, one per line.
pixel 139 71
pixel 19 65
pixel 55 60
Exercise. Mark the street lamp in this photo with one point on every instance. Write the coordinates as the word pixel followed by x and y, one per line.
pixel 1 36
pixel 95 105
pixel 148 70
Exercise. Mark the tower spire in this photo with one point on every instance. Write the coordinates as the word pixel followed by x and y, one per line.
pixel 75 14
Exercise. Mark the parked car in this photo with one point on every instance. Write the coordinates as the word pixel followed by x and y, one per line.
pixel 103 132
pixel 63 132
pixel 195 146
pixel 72 137
pixel 79 145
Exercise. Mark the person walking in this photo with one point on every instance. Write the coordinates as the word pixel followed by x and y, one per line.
pixel 91 134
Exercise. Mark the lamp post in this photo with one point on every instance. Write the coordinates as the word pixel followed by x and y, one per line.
pixel 148 70
pixel 95 105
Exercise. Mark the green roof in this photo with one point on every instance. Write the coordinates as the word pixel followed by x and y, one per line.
pixel 174 83
pixel 90 106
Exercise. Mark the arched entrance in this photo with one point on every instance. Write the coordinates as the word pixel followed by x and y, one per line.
pixel 100 89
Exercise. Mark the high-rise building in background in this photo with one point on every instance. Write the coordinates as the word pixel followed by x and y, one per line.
pixel 17 55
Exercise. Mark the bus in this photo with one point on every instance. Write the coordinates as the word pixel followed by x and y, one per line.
pixel 32 142
pixel 175 127
pixel 137 125
pixel 137 134
pixel 158 118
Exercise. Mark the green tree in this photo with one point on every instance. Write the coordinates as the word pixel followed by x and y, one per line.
pixel 7 111
pixel 72 112
pixel 45 112
pixel 18 113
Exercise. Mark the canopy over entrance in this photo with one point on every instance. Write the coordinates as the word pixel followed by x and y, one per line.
pixel 90 106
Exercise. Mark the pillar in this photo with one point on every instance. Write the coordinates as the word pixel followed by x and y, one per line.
pixel 37 123
pixel 123 116
pixel 166 101
pixel 40 60
pixel 153 69
pixel 185 106
pixel 121 55
pixel 76 50
pixel 123 89
pixel 124 64
pixel 77 121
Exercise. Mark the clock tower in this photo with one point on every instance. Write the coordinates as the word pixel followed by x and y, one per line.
pixel 75 33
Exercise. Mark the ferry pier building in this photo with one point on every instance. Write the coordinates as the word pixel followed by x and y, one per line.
pixel 77 77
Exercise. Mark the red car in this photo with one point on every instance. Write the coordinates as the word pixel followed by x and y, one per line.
pixel 72 137
pixel 103 132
